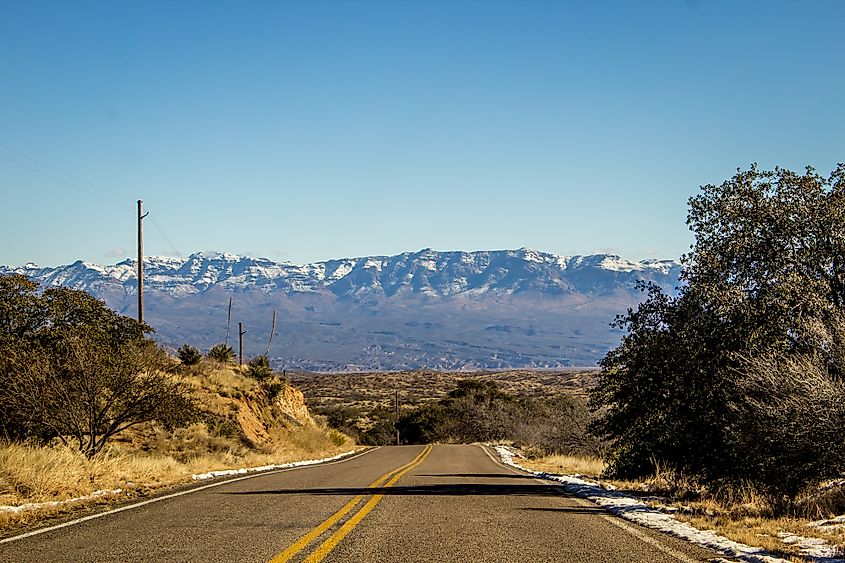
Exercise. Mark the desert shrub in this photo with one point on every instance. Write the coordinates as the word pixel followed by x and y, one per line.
pixel 336 438
pixel 344 418
pixel 478 411
pixel 221 353
pixel 189 355
pixel 259 368
pixel 793 424
pixel 426 424
pixel 555 425
pixel 273 387
pixel 380 429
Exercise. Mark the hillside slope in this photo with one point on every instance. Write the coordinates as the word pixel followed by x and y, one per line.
pixel 242 424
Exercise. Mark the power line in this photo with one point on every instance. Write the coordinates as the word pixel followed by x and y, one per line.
pixel 65 182
pixel 63 173
pixel 160 230
pixel 92 189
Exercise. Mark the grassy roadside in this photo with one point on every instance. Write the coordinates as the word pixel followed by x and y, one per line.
pixel 241 425
pixel 745 518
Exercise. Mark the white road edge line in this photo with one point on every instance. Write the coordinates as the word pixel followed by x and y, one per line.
pixel 179 494
pixel 615 520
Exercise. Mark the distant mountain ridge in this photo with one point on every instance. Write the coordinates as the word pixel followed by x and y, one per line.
pixel 426 272
pixel 502 308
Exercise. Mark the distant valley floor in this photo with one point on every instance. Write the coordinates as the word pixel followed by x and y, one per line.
pixel 368 390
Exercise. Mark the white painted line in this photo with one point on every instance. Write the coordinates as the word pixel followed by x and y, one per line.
pixel 616 521
pixel 503 466
pixel 179 494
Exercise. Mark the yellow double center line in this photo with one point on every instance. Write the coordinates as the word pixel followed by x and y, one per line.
pixel 386 480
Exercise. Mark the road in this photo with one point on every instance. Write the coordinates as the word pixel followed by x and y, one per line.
pixel 408 503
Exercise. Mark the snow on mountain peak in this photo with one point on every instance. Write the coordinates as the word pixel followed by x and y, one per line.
pixel 427 272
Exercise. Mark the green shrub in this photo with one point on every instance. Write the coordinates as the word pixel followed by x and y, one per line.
pixel 259 368
pixel 221 353
pixel 273 388
pixel 337 438
pixel 189 355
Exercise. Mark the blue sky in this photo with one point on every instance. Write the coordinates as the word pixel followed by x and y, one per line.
pixel 305 131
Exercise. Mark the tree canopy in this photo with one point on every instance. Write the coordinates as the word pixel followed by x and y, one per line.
pixel 74 370
pixel 763 285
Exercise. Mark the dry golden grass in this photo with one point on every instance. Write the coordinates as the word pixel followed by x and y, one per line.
pixel 567 465
pixel 36 474
pixel 218 378
pixel 763 532
pixel 741 514
pixel 42 473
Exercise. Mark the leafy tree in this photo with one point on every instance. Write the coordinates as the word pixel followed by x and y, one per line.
pixel 82 391
pixel 21 309
pixel 189 355
pixel 765 278
pixel 67 311
pixel 75 370
pixel 221 353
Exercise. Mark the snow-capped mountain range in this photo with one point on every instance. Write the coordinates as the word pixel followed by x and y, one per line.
pixel 505 308
pixel 426 272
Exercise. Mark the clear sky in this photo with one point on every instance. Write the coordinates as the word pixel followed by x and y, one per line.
pixel 305 131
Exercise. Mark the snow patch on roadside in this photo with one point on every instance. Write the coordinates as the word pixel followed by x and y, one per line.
pixel 243 470
pixel 833 523
pixel 53 503
pixel 814 547
pixel 636 511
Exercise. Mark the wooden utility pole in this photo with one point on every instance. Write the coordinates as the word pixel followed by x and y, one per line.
pixel 396 409
pixel 141 216
pixel 241 333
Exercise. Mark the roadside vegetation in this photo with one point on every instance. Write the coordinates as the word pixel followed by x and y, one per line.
pixel 88 403
pixel 477 411
pixel 731 392
pixel 361 405
pixel 738 380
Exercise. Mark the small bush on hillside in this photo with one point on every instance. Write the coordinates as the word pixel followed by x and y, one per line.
pixel 221 353
pixel 259 368
pixel 337 438
pixel 273 388
pixel 189 355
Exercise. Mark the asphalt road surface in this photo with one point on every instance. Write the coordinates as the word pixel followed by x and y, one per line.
pixel 409 503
